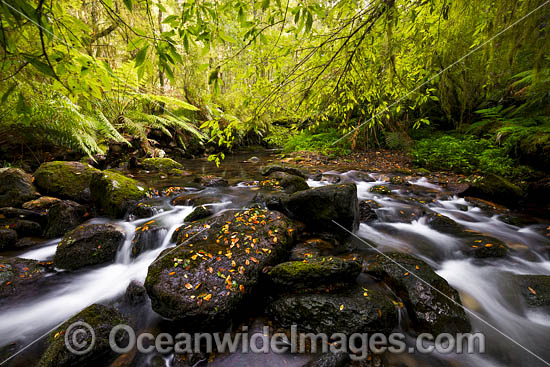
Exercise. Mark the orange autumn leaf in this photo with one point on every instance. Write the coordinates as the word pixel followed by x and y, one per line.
pixel 188 286
pixel 172 273
pixel 532 290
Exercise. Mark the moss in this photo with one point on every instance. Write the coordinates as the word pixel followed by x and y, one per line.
pixel 160 164
pixel 115 193
pixel 380 189
pixel 69 180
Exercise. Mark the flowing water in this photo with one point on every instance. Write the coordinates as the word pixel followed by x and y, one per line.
pixel 483 284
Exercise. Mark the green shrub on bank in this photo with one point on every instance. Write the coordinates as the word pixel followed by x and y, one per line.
pixel 323 142
pixel 465 155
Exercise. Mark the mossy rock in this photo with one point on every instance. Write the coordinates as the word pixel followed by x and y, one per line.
pixel 289 183
pixel 196 199
pixel 380 189
pixel 200 212
pixel 497 189
pixel 429 310
pixel 313 273
pixel 88 244
pixel 115 193
pixel 68 180
pixel 535 289
pixel 534 150
pixel 63 217
pixel 215 269
pixel 160 164
pixel 16 187
pixel 20 278
pixel 102 319
pixel 481 247
pixel 268 170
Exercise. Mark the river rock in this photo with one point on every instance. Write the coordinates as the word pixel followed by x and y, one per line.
pixel 8 238
pixel 481 246
pixel 20 278
pixel 63 217
pixel 535 289
pixel 428 309
pixel 160 164
pixel 69 180
pixel 289 183
pixel 147 237
pixel 313 273
pixel 41 204
pixel 353 310
pixel 380 189
pixel 200 212
pixel 211 181
pixel 319 207
pixel 311 247
pixel 102 319
pixel 147 208
pixel 16 187
pixel 25 214
pixel 196 199
pixel 366 212
pixel 496 188
pixel 135 293
pixel 268 170
pixel 209 277
pixel 24 228
pixel 88 244
pixel 114 193
pixel 341 359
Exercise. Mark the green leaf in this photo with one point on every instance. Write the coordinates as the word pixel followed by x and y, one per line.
pixel 41 67
pixel 140 57
pixel 309 22
pixel 8 93
pixel 265 4
pixel 129 5
pixel 227 38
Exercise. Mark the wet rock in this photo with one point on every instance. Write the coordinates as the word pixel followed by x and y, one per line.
pixel 200 212
pixel 28 242
pixel 289 183
pixel 147 237
pixel 442 223
pixel 496 188
pixel 160 164
pixel 380 189
pixel 16 187
pixel 135 293
pixel 8 238
pixel 88 244
pixel 63 217
pixel 146 208
pixel 318 208
pixel 428 309
pixel 102 319
pixel 196 199
pixel 219 262
pixel 535 289
pixel 330 178
pixel 312 247
pixel 24 228
pixel 366 212
pixel 398 180
pixel 268 170
pixel 23 214
pixel 41 204
pixel 211 181
pixel 313 273
pixel 69 180
pixel 330 360
pixel 349 311
pixel 115 194
pixel 539 192
pixel 19 277
pixel 481 246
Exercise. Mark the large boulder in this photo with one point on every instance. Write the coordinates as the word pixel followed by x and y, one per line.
pixel 88 244
pixel 535 289
pixel 200 212
pixel 313 273
pixel 160 164
pixel 8 238
pixel 496 188
pixel 68 180
pixel 429 310
pixel 115 193
pixel 20 278
pixel 353 310
pixel 268 170
pixel 16 187
pixel 102 319
pixel 23 227
pixel 63 217
pixel 217 265
pixel 289 183
pixel 320 207
pixel 16 213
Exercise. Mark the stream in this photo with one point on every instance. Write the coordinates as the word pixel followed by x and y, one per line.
pixel 482 283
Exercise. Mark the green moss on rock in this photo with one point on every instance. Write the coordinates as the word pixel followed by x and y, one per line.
pixel 115 193
pixel 160 164
pixel 70 180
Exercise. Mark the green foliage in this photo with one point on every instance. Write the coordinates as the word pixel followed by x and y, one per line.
pixel 465 154
pixel 318 141
pixel 278 136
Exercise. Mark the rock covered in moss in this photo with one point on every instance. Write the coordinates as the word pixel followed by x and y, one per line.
pixel 115 193
pixel 20 278
pixel 268 170
pixel 481 246
pixel 313 273
pixel 196 199
pixel 206 280
pixel 380 189
pixel 496 188
pixel 88 244
pixel 69 180
pixel 160 164
pixel 535 289
pixel 16 187
pixel 200 212
pixel 102 319
pixel 428 309
pixel 352 310
pixel 320 207
pixel 63 217
pixel 289 183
